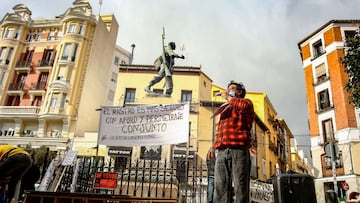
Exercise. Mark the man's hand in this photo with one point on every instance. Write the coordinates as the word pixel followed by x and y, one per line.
pixel 211 153
pixel 182 56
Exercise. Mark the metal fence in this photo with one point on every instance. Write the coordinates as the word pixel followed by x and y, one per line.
pixel 182 179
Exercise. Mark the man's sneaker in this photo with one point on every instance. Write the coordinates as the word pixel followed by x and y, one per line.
pixel 147 89
pixel 167 95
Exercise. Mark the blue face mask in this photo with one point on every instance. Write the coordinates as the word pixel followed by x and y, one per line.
pixel 232 94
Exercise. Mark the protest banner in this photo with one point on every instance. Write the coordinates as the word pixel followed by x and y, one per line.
pixel 144 125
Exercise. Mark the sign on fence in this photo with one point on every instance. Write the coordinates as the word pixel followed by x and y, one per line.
pixel 144 125
pixel 105 180
pixel 261 192
pixel 69 158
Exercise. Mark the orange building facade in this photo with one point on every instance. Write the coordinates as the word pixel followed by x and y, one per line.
pixel 332 119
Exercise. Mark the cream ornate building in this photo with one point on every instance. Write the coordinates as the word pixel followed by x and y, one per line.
pixel 55 73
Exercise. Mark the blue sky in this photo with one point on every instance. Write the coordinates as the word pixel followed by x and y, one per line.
pixel 254 42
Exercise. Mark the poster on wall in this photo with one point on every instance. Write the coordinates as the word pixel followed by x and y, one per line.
pixel 145 125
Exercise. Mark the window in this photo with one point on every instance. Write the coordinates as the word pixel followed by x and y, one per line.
pixel 9 32
pixel 17 34
pixel 58 35
pixel 113 77
pixel 64 73
pixel 349 34
pixel 2 76
pixel 2 54
pixel 42 80
pixel 323 99
pixel 81 29
pixel 216 93
pixel 116 60
pixel 13 101
pixel 8 58
pixel 130 95
pixel 66 51
pixel 37 101
pixel 318 49
pixel 51 35
pixel 20 80
pixel 72 28
pixel 338 162
pixel 74 52
pixel 111 95
pixel 28 57
pixel 53 102
pixel 151 152
pixel 38 36
pixel 30 37
pixel 320 72
pixel 264 167
pixel 328 131
pixel 48 57
pixel 63 99
pixel 186 96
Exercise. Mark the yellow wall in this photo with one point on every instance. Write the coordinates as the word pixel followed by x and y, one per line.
pixel 184 78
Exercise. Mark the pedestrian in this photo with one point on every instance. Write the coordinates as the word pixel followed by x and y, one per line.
pixel 210 163
pixel 165 69
pixel 232 143
pixel 354 196
pixel 14 162
pixel 29 179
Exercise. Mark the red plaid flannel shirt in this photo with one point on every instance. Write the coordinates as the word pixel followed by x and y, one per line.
pixel 235 124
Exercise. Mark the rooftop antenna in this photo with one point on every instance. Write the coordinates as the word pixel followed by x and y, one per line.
pixel 100 3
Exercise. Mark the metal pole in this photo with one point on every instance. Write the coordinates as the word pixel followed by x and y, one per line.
pixel 75 176
pixel 332 152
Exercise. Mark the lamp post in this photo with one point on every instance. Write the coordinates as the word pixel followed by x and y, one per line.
pixel 132 54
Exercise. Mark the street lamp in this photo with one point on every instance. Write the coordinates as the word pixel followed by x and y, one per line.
pixel 132 54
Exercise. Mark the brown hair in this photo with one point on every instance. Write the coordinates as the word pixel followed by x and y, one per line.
pixel 353 195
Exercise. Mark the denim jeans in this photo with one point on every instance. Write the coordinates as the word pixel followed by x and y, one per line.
pixel 210 190
pixel 232 167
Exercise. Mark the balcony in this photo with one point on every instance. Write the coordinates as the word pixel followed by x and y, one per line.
pixel 326 165
pixel 318 53
pixel 37 87
pixel 16 86
pixel 19 110
pixel 324 108
pixel 321 80
pixel 66 60
pixel 24 66
pixel 272 146
pixel 45 65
